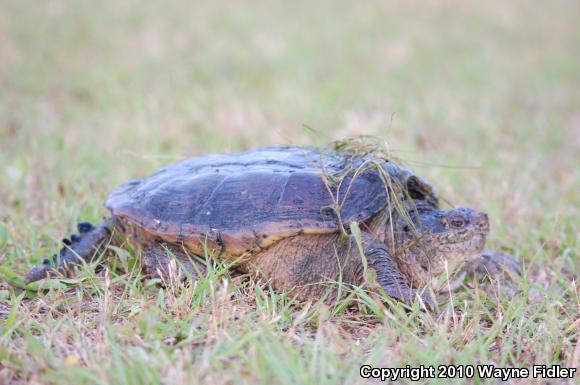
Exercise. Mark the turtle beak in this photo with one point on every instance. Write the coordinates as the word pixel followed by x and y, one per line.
pixel 481 220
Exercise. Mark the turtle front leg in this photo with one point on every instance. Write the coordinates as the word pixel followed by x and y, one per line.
pixel 492 263
pixel 389 276
pixel 304 264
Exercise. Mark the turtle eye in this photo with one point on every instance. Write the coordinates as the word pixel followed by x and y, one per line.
pixel 457 223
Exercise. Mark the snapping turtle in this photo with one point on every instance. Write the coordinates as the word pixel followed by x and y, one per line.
pixel 288 214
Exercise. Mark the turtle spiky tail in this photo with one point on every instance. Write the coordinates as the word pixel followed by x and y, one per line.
pixel 81 246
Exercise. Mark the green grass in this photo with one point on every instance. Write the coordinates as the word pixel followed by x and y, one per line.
pixel 481 98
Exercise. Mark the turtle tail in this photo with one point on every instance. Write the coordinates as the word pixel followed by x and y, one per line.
pixel 80 247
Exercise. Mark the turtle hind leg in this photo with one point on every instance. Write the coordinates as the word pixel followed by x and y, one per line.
pixel 167 261
pixel 79 247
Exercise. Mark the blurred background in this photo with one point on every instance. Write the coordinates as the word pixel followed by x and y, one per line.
pixel 482 98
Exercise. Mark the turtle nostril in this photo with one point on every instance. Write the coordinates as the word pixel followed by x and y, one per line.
pixel 482 220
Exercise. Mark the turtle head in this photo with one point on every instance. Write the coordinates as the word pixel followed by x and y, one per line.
pixel 429 238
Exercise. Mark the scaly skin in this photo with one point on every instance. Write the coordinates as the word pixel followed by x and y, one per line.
pixel 442 242
pixel 80 247
pixel 302 264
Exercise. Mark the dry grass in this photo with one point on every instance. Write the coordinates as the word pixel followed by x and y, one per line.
pixel 480 98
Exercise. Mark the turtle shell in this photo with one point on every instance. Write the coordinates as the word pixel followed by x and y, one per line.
pixel 243 202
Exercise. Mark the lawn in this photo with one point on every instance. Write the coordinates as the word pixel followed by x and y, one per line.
pixel 481 98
